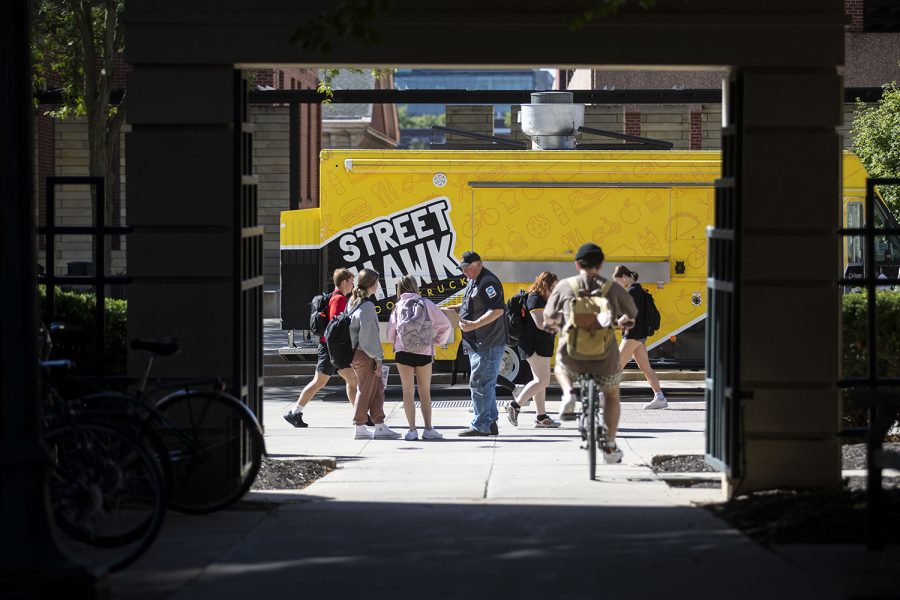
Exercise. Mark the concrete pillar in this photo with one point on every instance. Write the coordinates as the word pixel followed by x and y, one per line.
pixel 789 315
pixel 181 203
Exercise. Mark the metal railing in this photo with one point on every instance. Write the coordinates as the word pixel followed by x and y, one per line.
pixel 723 394
pixel 99 280
pixel 883 405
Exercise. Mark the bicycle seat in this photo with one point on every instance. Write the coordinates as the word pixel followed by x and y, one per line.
pixel 63 327
pixel 160 346
pixel 55 365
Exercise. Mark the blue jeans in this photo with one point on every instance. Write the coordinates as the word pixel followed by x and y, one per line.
pixel 485 366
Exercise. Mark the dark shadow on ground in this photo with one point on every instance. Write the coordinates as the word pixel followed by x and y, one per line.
pixel 324 549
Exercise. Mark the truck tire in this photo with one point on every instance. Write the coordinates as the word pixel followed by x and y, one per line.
pixel 514 367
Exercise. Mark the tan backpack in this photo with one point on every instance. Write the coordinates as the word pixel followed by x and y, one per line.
pixel 586 338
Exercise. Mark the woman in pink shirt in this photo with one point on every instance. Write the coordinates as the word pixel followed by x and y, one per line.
pixel 416 326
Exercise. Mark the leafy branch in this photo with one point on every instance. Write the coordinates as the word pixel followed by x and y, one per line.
pixel 876 140
pixel 605 8
pixel 348 19
pixel 328 75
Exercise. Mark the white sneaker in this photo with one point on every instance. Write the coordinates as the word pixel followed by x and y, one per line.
pixel 362 433
pixel 612 455
pixel 546 423
pixel 383 433
pixel 432 434
pixel 567 408
pixel 411 435
pixel 657 402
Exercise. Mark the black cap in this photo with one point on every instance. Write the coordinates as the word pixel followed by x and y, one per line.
pixel 590 251
pixel 468 258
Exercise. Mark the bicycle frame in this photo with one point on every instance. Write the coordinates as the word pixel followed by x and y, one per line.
pixel 593 432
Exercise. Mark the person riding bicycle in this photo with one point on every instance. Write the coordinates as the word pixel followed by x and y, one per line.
pixel 605 370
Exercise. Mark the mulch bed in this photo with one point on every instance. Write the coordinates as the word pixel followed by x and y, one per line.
pixel 808 517
pixel 815 516
pixel 681 463
pixel 288 474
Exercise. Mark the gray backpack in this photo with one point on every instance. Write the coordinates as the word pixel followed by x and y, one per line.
pixel 414 329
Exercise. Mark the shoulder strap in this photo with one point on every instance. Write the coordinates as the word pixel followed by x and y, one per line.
pixel 607 285
pixel 573 282
pixel 359 306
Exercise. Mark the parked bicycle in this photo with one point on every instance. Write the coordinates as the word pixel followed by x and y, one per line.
pixel 210 444
pixel 107 491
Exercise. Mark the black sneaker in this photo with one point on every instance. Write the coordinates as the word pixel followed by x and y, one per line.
pixel 295 419
pixel 494 429
pixel 472 433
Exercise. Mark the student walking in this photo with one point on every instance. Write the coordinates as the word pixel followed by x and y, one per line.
pixel 415 327
pixel 367 357
pixel 343 284
pixel 484 336
pixel 537 343
pixel 634 341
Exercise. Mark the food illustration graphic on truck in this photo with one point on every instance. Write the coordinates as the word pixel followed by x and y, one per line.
pixel 414 212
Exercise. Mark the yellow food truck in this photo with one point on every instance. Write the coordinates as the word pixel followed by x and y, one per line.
pixel 524 211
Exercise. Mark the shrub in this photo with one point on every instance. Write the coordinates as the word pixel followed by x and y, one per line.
pixel 77 308
pixel 855 351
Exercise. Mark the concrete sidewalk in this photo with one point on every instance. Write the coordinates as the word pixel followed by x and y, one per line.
pixel 508 517
pixel 522 465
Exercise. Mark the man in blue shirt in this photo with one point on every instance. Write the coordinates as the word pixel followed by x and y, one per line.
pixel 484 336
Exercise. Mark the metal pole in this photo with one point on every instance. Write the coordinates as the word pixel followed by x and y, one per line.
pixel 294 155
pixel 50 253
pixel 31 564
pixel 100 274
pixel 874 500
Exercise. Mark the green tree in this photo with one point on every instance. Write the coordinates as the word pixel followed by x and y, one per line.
pixel 408 121
pixel 75 44
pixel 876 140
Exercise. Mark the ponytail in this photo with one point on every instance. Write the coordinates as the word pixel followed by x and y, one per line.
pixel 623 271
pixel 366 279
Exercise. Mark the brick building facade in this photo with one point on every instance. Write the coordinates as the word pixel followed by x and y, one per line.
pixel 61 149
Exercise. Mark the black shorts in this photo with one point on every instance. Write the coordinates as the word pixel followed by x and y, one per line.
pixel 540 347
pixel 411 359
pixel 323 362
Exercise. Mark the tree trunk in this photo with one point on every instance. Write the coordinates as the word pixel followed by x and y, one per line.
pixel 101 165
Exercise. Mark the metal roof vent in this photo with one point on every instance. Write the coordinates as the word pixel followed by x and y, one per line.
pixel 551 120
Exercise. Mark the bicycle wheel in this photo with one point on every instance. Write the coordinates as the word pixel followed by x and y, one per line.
pixel 591 428
pixel 215 445
pixel 107 493
pixel 124 412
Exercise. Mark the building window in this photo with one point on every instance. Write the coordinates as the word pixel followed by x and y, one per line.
pixel 881 16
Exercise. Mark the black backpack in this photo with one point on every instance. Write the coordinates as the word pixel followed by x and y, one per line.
pixel 653 317
pixel 318 313
pixel 337 338
pixel 515 317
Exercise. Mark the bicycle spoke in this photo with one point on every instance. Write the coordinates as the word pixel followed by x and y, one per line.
pixel 106 493
pixel 214 450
